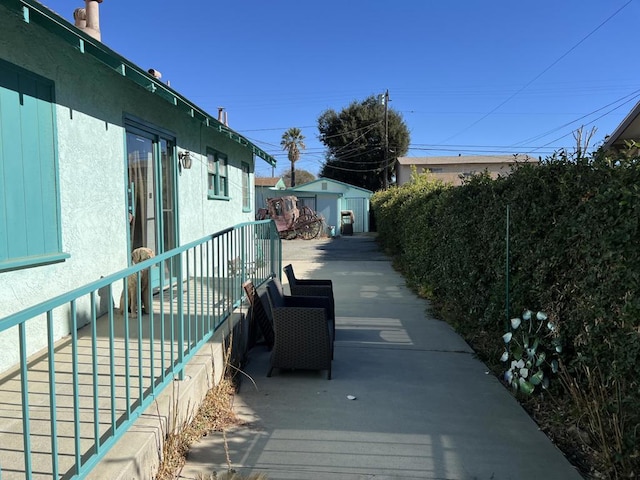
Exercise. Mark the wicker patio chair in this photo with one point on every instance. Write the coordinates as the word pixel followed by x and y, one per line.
pixel 259 313
pixel 312 287
pixel 323 299
pixel 303 333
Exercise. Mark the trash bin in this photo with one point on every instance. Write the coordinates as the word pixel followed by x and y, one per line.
pixel 346 222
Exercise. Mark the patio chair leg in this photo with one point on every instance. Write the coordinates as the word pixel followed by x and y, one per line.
pixel 269 372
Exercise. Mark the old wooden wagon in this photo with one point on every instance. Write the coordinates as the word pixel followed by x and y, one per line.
pixel 291 221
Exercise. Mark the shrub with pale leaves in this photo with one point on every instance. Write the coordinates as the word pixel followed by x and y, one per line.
pixel 531 352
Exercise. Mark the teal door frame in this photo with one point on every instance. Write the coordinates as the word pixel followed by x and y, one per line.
pixel 155 181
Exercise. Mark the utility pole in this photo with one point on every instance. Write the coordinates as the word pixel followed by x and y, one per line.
pixel 385 172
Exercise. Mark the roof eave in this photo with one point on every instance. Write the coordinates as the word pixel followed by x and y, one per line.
pixel 620 129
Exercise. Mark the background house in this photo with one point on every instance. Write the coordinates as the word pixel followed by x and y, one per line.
pixel 453 169
pixel 97 157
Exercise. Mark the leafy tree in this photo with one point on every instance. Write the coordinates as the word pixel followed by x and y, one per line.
pixel 357 152
pixel 302 176
pixel 292 142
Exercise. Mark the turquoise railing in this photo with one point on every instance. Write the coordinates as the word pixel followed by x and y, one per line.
pixel 66 406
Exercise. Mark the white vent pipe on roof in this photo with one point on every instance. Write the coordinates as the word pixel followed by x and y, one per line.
pixel 88 18
pixel 222 116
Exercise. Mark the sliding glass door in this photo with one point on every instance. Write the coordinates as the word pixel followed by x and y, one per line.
pixel 151 189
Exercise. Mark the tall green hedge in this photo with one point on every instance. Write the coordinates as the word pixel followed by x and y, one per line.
pixel 574 252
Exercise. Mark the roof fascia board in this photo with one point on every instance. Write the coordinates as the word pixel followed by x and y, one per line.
pixel 620 129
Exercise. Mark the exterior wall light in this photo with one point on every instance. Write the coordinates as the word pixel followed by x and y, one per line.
pixel 185 160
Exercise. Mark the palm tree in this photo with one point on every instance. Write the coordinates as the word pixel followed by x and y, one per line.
pixel 292 141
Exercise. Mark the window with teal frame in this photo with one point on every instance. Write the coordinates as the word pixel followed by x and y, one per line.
pixel 30 230
pixel 217 165
pixel 246 188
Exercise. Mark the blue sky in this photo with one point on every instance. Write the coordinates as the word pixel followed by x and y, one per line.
pixel 468 77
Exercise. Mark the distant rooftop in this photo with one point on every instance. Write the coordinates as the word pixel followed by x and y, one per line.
pixel 266 181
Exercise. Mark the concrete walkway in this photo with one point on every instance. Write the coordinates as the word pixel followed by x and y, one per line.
pixel 424 407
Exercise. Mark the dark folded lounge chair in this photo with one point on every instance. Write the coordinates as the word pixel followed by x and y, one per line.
pixel 259 313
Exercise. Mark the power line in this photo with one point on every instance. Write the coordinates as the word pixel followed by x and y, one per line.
pixel 453 145
pixel 598 118
pixel 366 130
pixel 366 127
pixel 356 170
pixel 274 129
pixel 627 98
pixel 475 151
pixel 541 73
pixel 470 148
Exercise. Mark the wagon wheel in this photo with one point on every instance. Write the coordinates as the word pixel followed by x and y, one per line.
pixel 288 234
pixel 308 226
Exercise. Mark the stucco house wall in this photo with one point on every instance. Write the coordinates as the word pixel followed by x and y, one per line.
pixel 452 169
pixel 92 101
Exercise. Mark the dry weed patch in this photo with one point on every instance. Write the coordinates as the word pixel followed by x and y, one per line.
pixel 214 415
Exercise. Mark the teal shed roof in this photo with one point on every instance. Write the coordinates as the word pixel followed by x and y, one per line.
pixel 316 186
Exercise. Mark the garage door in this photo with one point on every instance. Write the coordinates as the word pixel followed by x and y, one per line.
pixel 358 207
